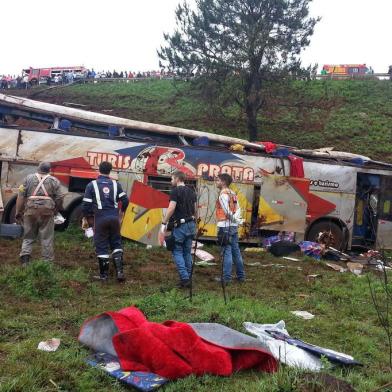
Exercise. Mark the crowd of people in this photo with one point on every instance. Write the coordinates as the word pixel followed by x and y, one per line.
pixel 57 78
pixel 14 82
pixel 129 74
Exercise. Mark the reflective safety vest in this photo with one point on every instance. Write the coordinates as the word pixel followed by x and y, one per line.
pixel 233 205
pixel 41 187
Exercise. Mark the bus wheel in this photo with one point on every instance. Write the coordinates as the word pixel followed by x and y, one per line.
pixel 11 215
pixel 75 216
pixel 330 230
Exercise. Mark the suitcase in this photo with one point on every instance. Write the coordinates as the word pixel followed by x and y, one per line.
pixel 11 231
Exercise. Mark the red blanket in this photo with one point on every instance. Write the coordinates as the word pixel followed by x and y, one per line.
pixel 174 350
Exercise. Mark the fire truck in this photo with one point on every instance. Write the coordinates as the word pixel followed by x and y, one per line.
pixel 41 75
pixel 345 69
pixel 346 195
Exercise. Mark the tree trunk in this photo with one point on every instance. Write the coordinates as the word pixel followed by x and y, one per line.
pixel 252 90
pixel 251 114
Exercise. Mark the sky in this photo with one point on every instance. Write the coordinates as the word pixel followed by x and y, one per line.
pixel 125 34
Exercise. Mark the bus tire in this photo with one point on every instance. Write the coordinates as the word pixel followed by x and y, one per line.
pixel 11 214
pixel 328 226
pixel 75 216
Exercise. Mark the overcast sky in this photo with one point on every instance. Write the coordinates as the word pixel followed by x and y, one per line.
pixel 124 34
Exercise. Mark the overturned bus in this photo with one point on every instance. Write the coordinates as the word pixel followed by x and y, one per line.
pixel 284 189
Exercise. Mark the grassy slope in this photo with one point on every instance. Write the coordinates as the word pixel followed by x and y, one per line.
pixel 353 116
pixel 43 302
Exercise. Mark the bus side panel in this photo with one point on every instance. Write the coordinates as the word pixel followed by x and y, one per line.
pixel 384 237
pixel 142 220
pixel 8 143
pixel 207 197
pixel 384 224
pixel 245 199
pixel 283 204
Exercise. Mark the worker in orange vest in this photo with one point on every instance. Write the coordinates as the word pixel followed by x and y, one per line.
pixel 228 217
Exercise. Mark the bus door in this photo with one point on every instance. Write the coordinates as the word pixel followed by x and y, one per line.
pixel 208 194
pixel 283 204
pixel 366 207
pixel 384 223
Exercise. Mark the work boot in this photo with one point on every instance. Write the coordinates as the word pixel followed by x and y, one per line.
pixel 118 264
pixel 184 284
pixel 219 280
pixel 103 269
pixel 25 259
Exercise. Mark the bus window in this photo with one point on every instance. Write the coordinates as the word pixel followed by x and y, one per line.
pixel 163 184
pixel 386 199
pixel 387 207
pixel 78 184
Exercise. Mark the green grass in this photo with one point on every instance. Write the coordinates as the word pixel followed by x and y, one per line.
pixel 352 116
pixel 45 301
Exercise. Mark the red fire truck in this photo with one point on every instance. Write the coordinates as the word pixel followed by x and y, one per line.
pixel 40 75
pixel 345 69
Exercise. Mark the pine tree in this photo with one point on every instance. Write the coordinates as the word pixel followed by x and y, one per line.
pixel 252 41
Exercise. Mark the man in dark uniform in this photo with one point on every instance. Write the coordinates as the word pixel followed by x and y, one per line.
pixel 101 201
pixel 39 198
pixel 181 215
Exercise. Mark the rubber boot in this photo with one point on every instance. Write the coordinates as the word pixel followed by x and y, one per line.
pixel 118 264
pixel 25 259
pixel 103 269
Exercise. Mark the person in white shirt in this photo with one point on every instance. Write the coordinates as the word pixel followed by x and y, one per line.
pixel 228 217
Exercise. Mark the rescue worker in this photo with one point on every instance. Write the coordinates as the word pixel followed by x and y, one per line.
pixel 228 217
pixel 101 201
pixel 181 217
pixel 39 198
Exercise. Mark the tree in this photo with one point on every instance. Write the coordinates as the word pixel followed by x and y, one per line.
pixel 251 41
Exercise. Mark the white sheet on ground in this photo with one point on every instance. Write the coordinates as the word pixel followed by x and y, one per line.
pixel 284 352
pixel 203 255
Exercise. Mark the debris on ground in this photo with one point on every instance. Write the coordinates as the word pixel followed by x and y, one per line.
pixel 163 348
pixel 284 352
pixel 312 249
pixel 203 255
pixel 355 268
pixel 254 250
pixel 382 267
pixel 273 265
pixel 284 248
pixel 295 352
pixel 303 314
pixel 59 219
pixel 197 244
pixel 290 258
pixel 142 381
pixel 310 278
pixel 50 345
pixel 320 352
pixel 89 232
pixel 289 237
pixel 255 264
pixel 204 263
pixel 336 267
